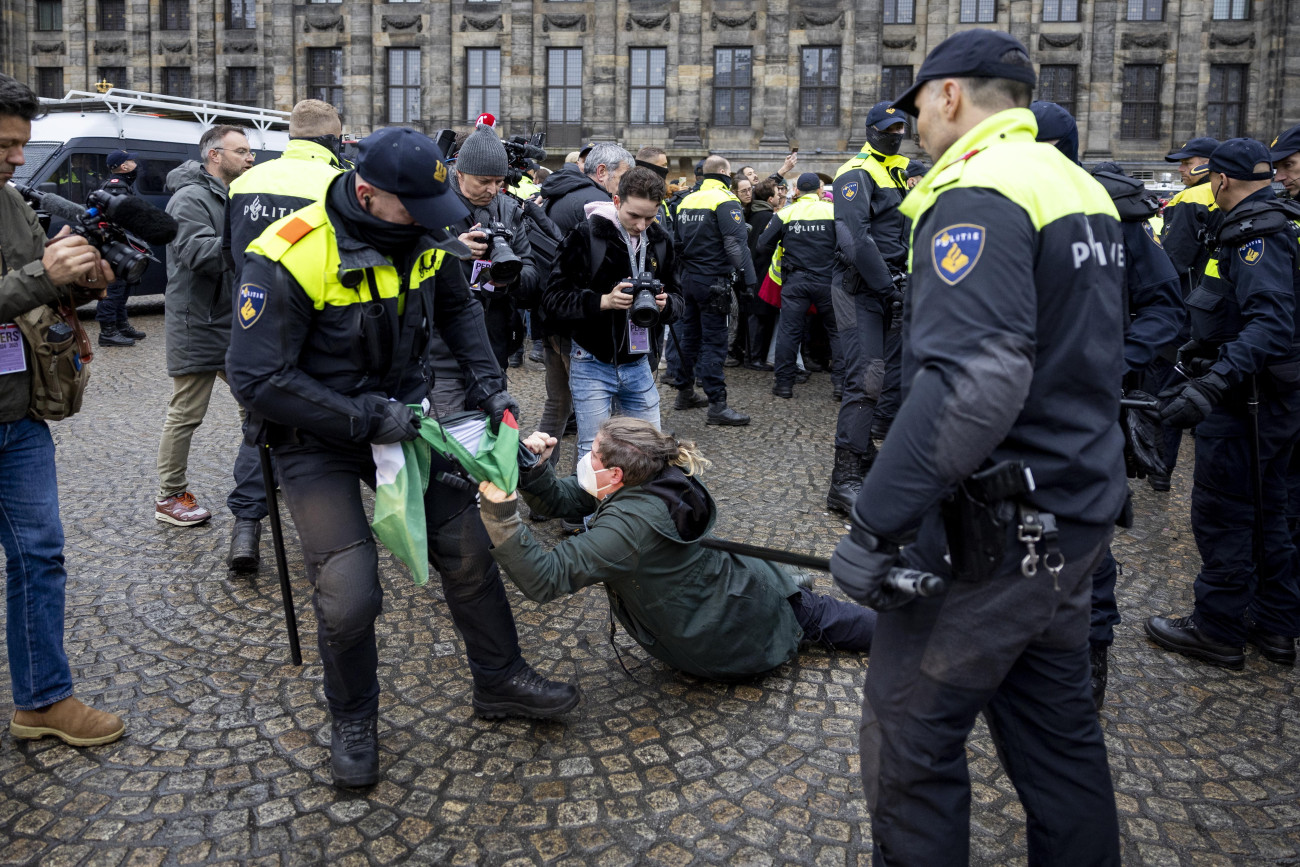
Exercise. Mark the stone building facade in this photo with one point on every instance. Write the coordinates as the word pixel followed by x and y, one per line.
pixel 748 78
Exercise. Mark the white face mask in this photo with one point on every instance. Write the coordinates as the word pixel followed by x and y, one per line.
pixel 587 477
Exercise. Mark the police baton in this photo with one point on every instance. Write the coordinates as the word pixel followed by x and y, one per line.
pixel 281 564
pixel 1126 403
pixel 1257 477
pixel 912 582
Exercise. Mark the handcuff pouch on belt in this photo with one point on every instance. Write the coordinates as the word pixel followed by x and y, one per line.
pixel 977 519
pixel 720 296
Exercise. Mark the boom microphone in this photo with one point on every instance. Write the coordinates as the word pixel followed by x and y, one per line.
pixel 137 216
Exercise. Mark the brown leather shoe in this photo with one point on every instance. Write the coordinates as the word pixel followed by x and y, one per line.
pixel 70 721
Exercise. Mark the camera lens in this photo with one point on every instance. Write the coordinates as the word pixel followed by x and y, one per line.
pixel 128 263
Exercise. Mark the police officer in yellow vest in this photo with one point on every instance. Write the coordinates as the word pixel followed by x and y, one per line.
pixel 336 315
pixel 712 245
pixel 260 196
pixel 1012 361
pixel 872 255
pixel 1187 213
pixel 806 231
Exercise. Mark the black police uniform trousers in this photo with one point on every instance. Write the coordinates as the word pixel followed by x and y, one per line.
pixel 800 292
pixel 1016 650
pixel 702 333
pixel 322 490
pixel 863 321
pixel 891 389
pixel 1231 586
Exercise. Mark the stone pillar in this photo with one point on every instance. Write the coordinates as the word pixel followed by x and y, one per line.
pixel 1102 83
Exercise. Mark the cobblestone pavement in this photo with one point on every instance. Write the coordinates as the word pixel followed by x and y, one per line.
pixel 225 759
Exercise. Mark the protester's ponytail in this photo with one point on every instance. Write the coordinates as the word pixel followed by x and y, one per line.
pixel 642 451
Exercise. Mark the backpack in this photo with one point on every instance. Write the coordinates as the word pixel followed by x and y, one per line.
pixel 61 355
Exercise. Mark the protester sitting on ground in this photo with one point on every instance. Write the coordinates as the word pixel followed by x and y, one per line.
pixel 707 612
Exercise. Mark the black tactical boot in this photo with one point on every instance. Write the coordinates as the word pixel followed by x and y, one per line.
pixel 1099 659
pixel 526 694
pixel 1180 635
pixel 1274 648
pixel 130 331
pixel 720 413
pixel 245 545
pixel 354 752
pixel 846 481
pixel 516 359
pixel 687 398
pixel 110 336
pixel 783 389
pixel 537 354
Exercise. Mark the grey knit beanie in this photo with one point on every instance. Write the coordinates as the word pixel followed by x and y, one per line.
pixel 483 154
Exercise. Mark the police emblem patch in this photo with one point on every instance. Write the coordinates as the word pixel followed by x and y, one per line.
pixel 956 251
pixel 440 173
pixel 850 191
pixel 735 215
pixel 1252 252
pixel 1151 233
pixel 252 301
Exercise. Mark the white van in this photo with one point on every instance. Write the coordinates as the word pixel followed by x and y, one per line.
pixel 69 148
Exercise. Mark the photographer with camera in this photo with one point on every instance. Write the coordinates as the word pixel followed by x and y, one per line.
pixel 502 272
pixel 32 276
pixel 114 327
pixel 612 285
pixel 710 613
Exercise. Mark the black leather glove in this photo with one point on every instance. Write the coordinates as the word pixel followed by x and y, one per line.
pixel 1187 405
pixel 1143 454
pixel 397 421
pixel 496 405
pixel 860 565
pixel 1190 359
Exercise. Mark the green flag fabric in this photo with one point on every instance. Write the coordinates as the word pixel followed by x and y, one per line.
pixel 401 478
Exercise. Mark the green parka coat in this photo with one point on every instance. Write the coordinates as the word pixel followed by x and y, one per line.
pixel 703 611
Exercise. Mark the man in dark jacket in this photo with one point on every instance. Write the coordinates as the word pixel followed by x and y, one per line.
pixel 709 613
pixel 198 303
pixel 33 275
pixel 114 327
pixel 479 180
pixel 589 300
pixel 332 371
pixel 762 316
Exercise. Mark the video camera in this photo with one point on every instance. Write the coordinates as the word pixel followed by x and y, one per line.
pixel 520 149
pixel 111 225
pixel 645 310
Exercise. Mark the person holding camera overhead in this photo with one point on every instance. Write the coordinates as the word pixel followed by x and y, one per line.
pixel 612 285
pixel 502 272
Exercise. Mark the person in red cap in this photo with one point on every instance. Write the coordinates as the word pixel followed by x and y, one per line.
pixel 334 328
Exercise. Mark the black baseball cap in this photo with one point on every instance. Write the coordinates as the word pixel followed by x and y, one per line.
pixel 586 149
pixel 808 181
pixel 1237 158
pixel 883 115
pixel 1197 147
pixel 1285 144
pixel 406 163
pixel 699 169
pixel 969 54
pixel 116 158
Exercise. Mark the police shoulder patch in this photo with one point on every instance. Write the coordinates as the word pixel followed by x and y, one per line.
pixel 1151 233
pixel 295 230
pixel 956 250
pixel 850 191
pixel 252 301
pixel 735 215
pixel 1252 251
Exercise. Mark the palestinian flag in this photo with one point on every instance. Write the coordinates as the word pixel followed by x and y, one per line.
pixel 467 439
pixel 401 478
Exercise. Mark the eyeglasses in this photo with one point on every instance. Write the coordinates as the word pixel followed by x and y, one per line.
pixel 239 152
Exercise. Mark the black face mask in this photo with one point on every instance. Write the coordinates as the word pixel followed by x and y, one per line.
pixel 886 143
pixel 391 239
pixel 129 177
pixel 331 143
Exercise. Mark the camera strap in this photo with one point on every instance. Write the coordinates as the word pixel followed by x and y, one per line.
pixel 636 255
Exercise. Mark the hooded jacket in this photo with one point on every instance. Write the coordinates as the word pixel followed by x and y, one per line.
pixel 572 299
pixel 198 297
pixel 702 611
pixel 567 194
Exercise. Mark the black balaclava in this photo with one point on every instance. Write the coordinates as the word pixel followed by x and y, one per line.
pixel 886 143
pixel 331 143
pixel 392 239
pixel 1054 122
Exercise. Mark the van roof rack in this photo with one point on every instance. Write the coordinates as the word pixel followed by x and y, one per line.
pixel 209 113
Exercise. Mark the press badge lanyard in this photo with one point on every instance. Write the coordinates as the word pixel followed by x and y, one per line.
pixel 12 357
pixel 638 338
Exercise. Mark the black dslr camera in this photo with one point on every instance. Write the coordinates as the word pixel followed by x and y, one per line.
pixel 519 150
pixel 506 266
pixel 645 310
pixel 125 253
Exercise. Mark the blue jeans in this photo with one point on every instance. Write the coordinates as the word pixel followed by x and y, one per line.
pixel 32 536
pixel 597 385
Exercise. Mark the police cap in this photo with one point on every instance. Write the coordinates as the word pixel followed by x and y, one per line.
pixel 808 182
pixel 586 149
pixel 969 54
pixel 1236 158
pixel 1285 144
pixel 117 158
pixel 883 115
pixel 1197 147
pixel 406 163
